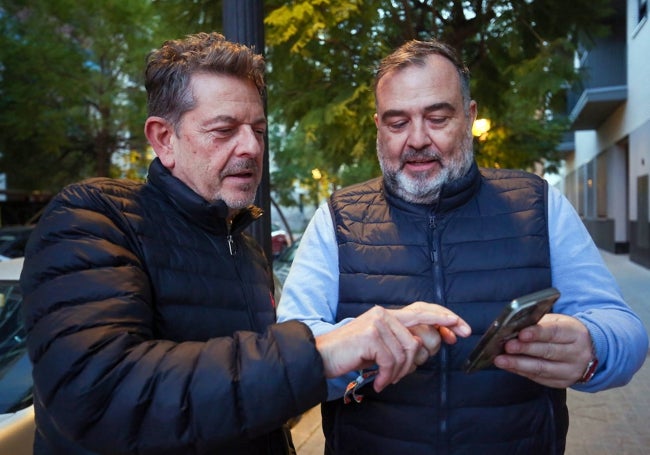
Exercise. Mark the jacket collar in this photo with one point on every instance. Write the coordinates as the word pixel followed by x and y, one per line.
pixel 454 194
pixel 210 215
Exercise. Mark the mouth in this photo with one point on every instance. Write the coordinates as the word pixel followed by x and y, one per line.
pixel 241 175
pixel 241 181
pixel 422 164
pixel 243 172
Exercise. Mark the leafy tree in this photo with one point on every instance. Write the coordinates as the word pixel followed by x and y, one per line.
pixel 322 55
pixel 71 87
pixel 183 18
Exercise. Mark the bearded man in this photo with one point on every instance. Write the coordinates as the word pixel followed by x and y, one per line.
pixel 438 229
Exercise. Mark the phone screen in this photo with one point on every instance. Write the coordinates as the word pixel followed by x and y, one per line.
pixel 517 315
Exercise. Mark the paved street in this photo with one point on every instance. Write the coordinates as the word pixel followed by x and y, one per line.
pixel 611 422
pixel 616 421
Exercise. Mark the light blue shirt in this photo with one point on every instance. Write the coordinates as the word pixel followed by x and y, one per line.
pixel 588 290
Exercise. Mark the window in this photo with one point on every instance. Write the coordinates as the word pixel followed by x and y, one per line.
pixel 571 190
pixel 642 216
pixel 590 190
pixel 582 180
pixel 601 185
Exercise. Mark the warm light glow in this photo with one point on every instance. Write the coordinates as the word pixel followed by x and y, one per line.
pixel 315 173
pixel 480 127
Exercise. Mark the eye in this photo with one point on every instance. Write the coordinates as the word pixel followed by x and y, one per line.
pixel 397 125
pixel 222 131
pixel 437 120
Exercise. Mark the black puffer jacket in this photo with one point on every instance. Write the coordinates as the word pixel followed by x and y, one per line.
pixel 146 331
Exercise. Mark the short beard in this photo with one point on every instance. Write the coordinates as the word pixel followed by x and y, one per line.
pixel 421 188
pixel 239 203
pixel 251 189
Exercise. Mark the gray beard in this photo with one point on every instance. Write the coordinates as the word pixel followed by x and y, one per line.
pixel 251 189
pixel 422 189
pixel 239 203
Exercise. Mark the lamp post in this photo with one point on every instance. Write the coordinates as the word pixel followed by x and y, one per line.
pixel 243 22
pixel 317 176
pixel 481 127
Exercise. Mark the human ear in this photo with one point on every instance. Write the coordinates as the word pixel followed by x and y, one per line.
pixel 160 135
pixel 473 110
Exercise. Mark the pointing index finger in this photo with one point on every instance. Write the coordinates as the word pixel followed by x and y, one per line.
pixel 434 315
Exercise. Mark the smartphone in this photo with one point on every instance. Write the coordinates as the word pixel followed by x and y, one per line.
pixel 518 314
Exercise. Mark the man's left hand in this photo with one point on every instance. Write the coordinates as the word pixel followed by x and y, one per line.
pixel 554 352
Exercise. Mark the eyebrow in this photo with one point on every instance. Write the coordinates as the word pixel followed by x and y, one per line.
pixel 444 106
pixel 231 119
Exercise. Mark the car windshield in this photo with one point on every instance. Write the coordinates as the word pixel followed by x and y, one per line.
pixel 13 240
pixel 15 368
pixel 288 254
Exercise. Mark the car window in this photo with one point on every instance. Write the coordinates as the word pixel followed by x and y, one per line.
pixel 15 368
pixel 288 254
pixel 13 240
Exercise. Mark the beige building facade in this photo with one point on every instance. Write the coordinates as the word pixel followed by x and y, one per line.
pixel 607 162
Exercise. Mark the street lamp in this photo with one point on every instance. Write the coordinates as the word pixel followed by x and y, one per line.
pixel 317 176
pixel 480 130
pixel 481 127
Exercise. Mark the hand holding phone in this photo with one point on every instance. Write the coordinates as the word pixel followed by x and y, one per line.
pixel 517 315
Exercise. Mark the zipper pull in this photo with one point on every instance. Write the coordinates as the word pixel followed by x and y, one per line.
pixel 434 251
pixel 231 245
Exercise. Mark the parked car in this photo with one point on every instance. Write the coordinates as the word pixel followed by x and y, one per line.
pixel 16 409
pixel 282 263
pixel 280 240
pixel 13 240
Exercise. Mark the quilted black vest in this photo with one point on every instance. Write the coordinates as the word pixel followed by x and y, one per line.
pixel 484 243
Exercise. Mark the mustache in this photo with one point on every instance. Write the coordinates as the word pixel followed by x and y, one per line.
pixel 246 166
pixel 420 155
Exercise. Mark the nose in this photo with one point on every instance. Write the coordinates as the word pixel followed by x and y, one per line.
pixel 418 137
pixel 250 141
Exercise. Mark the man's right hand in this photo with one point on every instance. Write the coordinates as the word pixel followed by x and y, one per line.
pixel 397 341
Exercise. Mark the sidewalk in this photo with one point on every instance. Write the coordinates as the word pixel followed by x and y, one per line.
pixel 613 421
pixel 616 420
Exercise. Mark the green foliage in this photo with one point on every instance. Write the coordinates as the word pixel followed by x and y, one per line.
pixel 323 53
pixel 319 90
pixel 71 87
pixel 72 96
pixel 183 17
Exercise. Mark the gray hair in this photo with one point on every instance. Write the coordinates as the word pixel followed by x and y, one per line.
pixel 415 52
pixel 170 68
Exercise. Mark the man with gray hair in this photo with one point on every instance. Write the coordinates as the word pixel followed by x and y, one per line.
pixel 149 310
pixel 436 228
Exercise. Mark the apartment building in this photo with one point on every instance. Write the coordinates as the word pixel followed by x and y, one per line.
pixel 607 162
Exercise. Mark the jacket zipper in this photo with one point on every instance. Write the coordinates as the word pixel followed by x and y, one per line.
pixel 232 247
pixel 442 354
pixel 246 293
pixel 435 258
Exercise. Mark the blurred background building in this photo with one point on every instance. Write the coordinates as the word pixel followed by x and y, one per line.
pixel 606 175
